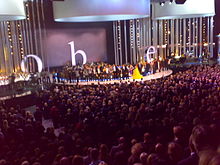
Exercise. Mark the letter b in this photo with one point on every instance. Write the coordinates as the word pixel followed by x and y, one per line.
pixel 73 54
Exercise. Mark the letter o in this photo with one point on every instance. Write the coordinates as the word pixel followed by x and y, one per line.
pixel 38 60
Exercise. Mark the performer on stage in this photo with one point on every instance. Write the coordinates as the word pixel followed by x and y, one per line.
pixel 147 68
pixel 104 71
pixel 136 73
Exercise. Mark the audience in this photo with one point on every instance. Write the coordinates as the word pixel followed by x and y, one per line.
pixel 170 121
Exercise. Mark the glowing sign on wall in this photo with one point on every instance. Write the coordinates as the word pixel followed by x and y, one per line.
pixel 151 50
pixel 73 54
pixel 38 60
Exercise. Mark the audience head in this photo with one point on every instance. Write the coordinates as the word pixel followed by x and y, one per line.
pixel 121 140
pixel 77 160
pixel 178 132
pixel 201 137
pixel 175 152
pixel 136 149
pixel 25 163
pixel 151 159
pixel 147 137
pixel 160 149
pixel 64 161
pixel 94 154
pixel 36 163
pixel 143 158
pixel 3 162
pixel 103 149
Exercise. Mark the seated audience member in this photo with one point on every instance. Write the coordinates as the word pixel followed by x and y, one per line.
pixel 118 148
pixel 94 157
pixel 201 138
pixel 3 162
pixel 151 159
pixel 179 136
pixel 175 153
pixel 64 161
pixel 147 143
pixel 193 158
pixel 136 150
pixel 77 160
pixel 104 154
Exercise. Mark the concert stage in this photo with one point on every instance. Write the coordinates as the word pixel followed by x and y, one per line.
pixel 25 88
pixel 17 89
pixel 5 80
pixel 145 78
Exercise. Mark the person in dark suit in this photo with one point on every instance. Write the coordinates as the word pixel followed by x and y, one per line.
pixel 140 67
pixel 147 69
pixel 193 158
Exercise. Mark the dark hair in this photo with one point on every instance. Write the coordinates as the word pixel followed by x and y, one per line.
pixel 201 137
pixel 94 154
pixel 77 160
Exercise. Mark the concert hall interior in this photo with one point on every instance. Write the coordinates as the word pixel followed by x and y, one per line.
pixel 115 82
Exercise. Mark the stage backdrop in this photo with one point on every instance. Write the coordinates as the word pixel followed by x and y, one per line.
pixel 91 40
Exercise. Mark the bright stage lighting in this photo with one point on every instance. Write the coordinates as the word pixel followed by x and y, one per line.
pixel 12 10
pixel 100 10
pixel 190 9
pixel 162 3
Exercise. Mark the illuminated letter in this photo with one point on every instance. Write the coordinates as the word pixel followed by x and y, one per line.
pixel 150 50
pixel 39 62
pixel 73 54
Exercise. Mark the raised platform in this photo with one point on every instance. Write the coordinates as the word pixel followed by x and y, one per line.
pixel 146 78
pixel 25 88
pixel 18 89
pixel 4 80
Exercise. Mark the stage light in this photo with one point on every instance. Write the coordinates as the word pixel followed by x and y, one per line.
pixel 189 9
pixel 11 10
pixel 180 1
pixel 162 3
pixel 99 10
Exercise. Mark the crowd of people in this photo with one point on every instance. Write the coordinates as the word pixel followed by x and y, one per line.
pixel 104 71
pixel 170 121
pixel 87 72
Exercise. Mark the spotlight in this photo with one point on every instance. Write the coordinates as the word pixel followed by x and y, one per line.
pixel 162 3
pixel 171 1
pixel 180 1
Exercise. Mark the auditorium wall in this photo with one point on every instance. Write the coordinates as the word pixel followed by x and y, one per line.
pixel 95 39
pixel 91 40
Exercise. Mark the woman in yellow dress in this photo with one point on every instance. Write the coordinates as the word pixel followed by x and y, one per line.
pixel 136 73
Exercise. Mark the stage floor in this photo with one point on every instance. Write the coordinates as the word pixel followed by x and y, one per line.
pixel 5 80
pixel 146 78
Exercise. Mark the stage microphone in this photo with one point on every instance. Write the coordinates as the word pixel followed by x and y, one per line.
pixel 180 1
